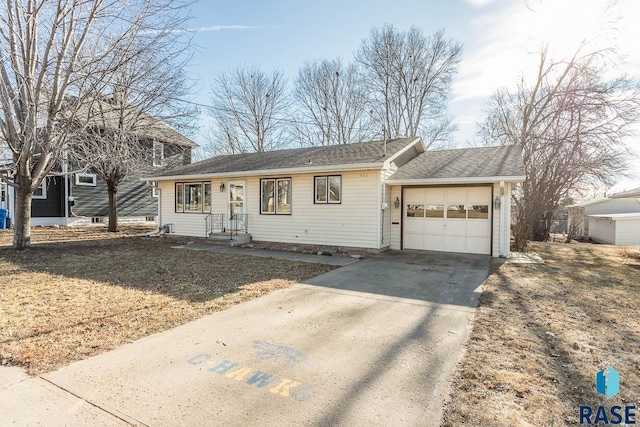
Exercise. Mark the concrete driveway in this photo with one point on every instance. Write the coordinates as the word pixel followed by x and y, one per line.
pixel 372 343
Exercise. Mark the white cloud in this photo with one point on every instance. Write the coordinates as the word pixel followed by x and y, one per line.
pixel 505 40
pixel 479 3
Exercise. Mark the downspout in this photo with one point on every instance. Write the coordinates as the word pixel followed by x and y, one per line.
pixel 503 252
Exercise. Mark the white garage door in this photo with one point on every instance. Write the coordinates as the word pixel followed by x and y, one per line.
pixel 450 219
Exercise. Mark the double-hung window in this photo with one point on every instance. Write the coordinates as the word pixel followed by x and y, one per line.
pixel 193 197
pixel 328 189
pixel 41 191
pixel 275 196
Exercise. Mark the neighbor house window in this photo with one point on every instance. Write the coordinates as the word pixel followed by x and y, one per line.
pixel 155 192
pixel 328 189
pixel 275 196
pixel 41 191
pixel 158 154
pixel 193 197
pixel 88 179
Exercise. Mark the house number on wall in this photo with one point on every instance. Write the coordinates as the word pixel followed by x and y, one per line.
pixel 363 175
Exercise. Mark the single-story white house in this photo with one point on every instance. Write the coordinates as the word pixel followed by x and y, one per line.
pixel 374 196
pixel 578 214
pixel 615 229
pixel 621 227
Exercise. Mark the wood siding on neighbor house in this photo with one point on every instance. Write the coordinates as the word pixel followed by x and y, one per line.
pixel 135 198
pixel 53 205
pixel 355 222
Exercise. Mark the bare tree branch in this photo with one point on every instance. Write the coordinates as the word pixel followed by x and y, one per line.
pixel 54 57
pixel 248 110
pixel 332 105
pixel 572 122
pixel 409 76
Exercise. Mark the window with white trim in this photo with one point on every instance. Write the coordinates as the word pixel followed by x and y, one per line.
pixel 87 179
pixel 194 197
pixel 155 192
pixel 158 154
pixel 328 189
pixel 41 191
pixel 275 196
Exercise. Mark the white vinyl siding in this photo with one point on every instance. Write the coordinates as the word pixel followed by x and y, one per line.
pixel 615 231
pixel 602 230
pixel 396 216
pixel 191 224
pixel 628 232
pixel 352 223
pixel 506 229
pixel 355 222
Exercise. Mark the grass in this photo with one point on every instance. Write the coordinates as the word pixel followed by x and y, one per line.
pixel 540 334
pixel 93 291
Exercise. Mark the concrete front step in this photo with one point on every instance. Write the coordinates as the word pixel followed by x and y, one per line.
pixel 229 239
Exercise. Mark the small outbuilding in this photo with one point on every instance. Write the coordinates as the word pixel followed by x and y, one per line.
pixel 615 229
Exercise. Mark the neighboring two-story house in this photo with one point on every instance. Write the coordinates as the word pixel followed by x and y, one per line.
pixel 73 196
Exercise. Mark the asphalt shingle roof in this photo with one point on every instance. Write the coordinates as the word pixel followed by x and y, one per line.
pixel 362 152
pixel 106 115
pixel 463 163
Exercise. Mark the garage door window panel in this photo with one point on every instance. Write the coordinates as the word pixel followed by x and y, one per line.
pixel 456 212
pixel 435 211
pixel 478 212
pixel 415 211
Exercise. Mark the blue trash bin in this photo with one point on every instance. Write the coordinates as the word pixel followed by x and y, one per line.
pixel 3 218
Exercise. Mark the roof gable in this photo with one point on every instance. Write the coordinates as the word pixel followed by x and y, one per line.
pixel 498 161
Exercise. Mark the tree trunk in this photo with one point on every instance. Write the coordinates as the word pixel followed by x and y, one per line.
pixel 22 219
pixel 113 209
pixel 541 227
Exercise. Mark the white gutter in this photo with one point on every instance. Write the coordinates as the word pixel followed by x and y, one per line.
pixel 267 172
pixel 460 180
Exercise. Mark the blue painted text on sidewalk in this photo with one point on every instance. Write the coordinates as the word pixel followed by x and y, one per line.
pixel 275 384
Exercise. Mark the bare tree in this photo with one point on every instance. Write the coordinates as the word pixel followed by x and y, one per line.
pixel 332 104
pixel 54 56
pixel 409 75
pixel 572 122
pixel 125 125
pixel 249 108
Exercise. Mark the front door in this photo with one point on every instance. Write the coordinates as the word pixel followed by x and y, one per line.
pixel 237 216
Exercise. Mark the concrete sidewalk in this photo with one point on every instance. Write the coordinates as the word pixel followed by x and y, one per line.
pixel 373 343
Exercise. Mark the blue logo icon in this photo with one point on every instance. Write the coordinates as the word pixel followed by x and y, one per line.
pixel 608 382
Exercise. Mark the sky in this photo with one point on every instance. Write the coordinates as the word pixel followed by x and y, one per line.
pixel 499 37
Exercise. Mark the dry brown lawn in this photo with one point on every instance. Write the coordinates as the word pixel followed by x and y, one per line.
pixel 93 291
pixel 542 331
